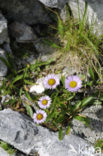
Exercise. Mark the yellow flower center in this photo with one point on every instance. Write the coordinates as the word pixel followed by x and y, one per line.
pixel 44 102
pixel 51 82
pixel 73 84
pixel 39 116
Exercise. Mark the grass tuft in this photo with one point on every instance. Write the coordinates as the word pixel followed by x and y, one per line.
pixel 76 39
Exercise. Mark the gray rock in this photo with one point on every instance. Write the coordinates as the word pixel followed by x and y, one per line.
pixel 7 48
pixel 54 3
pixel 3 30
pixel 44 50
pixel 94 13
pixel 70 145
pixel 22 32
pixel 49 3
pixel 19 131
pixel 95 129
pixel 3 67
pixel 29 12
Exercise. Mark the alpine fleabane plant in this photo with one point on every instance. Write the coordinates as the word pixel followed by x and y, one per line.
pixel 51 81
pixel 58 104
pixel 44 102
pixel 73 83
pixel 39 117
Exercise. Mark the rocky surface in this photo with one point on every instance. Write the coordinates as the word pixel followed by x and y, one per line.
pixel 3 29
pixel 3 67
pixel 19 131
pixel 94 13
pixel 22 32
pixel 95 129
pixel 30 12
pixel 54 3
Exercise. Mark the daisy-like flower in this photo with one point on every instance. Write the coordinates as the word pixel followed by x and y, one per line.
pixel 51 81
pixel 40 116
pixel 73 83
pixel 44 102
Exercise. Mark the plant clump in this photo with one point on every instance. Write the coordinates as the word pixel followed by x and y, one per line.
pixel 78 45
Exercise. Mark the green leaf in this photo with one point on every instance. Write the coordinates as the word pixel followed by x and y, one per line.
pixel 67 48
pixel 82 22
pixel 68 129
pixel 17 78
pixel 60 118
pixel 97 102
pixel 21 92
pixel 28 82
pixel 50 116
pixel 101 98
pixel 92 74
pixel 29 110
pixel 52 44
pixel 10 102
pixel 90 83
pixel 60 133
pixel 28 96
pixel 4 145
pixel 87 100
pixel 33 67
pixel 63 80
pixel 77 105
pixel 70 97
pixel 60 26
pixel 83 119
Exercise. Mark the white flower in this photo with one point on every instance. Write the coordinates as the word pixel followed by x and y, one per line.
pixel 38 87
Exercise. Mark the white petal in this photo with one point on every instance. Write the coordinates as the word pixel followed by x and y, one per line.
pixel 39 88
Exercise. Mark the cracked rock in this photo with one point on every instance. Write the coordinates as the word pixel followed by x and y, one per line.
pixel 19 131
pixel 3 30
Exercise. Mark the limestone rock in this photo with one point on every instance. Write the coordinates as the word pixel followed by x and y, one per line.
pixel 22 32
pixel 94 13
pixel 95 129
pixel 71 145
pixel 3 30
pixel 29 12
pixel 19 131
pixel 54 3
pixel 3 67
